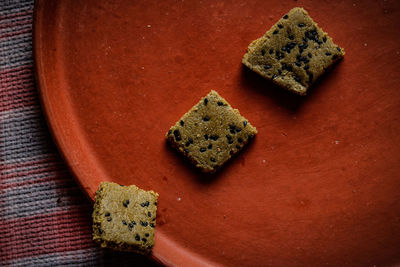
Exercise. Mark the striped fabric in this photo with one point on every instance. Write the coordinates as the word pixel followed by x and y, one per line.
pixel 44 217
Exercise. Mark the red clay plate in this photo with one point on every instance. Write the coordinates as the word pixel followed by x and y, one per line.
pixel 319 186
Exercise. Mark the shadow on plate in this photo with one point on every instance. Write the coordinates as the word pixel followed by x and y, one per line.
pixel 207 178
pixel 121 259
pixel 282 97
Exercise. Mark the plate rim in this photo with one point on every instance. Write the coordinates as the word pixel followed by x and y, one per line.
pixel 166 251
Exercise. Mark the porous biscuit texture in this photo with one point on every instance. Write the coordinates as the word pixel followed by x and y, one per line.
pixel 293 53
pixel 124 217
pixel 210 133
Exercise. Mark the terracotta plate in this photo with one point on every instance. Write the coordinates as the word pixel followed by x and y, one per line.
pixel 320 183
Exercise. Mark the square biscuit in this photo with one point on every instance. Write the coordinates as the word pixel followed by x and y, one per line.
pixel 293 53
pixel 124 217
pixel 210 133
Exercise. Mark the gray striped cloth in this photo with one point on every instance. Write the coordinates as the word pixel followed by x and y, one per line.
pixel 44 217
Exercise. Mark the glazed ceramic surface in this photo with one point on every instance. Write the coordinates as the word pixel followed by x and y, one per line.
pixel 318 186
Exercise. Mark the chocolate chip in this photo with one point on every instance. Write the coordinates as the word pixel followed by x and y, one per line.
pixel 181 122
pixel 338 49
pixel 124 222
pixel 232 131
pixel 263 52
pixel 286 16
pixel 291 37
pixel 203 149
pixel 145 204
pixel 335 57
pixel 125 203
pixel 301 25
pixel 109 219
pixel 271 51
pixel 155 203
pixel 314 32
pixel 169 132
pixel 274 76
pixel 240 140
pixel 205 101
pixel 152 225
pixel 238 129
pixel 324 39
pixel 144 240
pixel 100 231
pixel 298 64
pixel 206 118
pixel 244 123
pixel 107 214
pixel 206 136
pixel 229 138
pixel 309 55
pixel 280 72
pixel 212 159
pixel 146 234
pixel 149 214
pixel 297 79
pixel 186 151
pixel 328 54
pixel 280 26
pixel 306 67
pixel 130 226
pixel 267 67
pixel 177 135
pixel 275 32
pixel 144 224
pixel 137 237
pixel 219 103
pixel 209 146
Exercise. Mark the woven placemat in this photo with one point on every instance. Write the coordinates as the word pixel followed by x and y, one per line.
pixel 44 216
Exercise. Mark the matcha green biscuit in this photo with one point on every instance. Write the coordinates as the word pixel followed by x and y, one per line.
pixel 210 133
pixel 293 53
pixel 124 217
